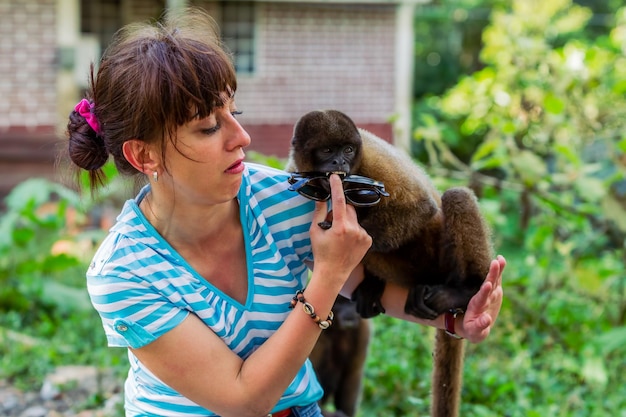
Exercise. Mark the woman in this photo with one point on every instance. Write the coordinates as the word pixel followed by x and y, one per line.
pixel 200 275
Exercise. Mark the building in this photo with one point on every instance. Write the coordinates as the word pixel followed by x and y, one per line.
pixel 291 57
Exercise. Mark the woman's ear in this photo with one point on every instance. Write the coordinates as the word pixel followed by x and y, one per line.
pixel 141 156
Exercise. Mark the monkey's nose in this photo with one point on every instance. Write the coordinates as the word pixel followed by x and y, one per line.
pixel 341 165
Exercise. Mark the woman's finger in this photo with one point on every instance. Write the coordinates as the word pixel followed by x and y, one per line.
pixel 495 272
pixel 502 263
pixel 480 301
pixel 338 198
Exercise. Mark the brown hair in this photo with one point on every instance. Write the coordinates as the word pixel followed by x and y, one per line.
pixel 153 78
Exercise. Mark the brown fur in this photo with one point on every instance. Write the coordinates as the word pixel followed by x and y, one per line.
pixel 436 245
pixel 339 358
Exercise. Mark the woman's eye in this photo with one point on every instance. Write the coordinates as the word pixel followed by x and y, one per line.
pixel 211 130
pixel 218 125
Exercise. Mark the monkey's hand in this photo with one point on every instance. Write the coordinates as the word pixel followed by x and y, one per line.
pixel 328 222
pixel 484 307
pixel 416 302
pixel 429 301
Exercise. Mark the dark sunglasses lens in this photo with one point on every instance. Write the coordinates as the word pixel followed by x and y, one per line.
pixel 362 196
pixel 316 189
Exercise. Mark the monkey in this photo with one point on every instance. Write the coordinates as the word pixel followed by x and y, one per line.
pixel 339 356
pixel 436 245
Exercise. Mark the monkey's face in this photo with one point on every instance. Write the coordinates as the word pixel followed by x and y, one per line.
pixel 334 157
pixel 326 141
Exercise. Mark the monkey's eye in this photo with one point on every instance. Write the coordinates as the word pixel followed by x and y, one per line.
pixel 348 149
pixel 327 150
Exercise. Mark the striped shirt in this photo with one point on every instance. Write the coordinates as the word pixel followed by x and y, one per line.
pixel 142 288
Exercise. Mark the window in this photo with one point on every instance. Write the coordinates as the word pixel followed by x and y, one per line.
pixel 101 18
pixel 238 33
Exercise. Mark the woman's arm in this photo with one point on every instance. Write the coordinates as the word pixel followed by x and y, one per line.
pixel 196 363
pixel 474 325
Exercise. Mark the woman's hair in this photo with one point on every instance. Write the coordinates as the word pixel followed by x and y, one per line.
pixel 153 78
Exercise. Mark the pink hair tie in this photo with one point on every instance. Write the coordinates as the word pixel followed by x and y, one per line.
pixel 85 109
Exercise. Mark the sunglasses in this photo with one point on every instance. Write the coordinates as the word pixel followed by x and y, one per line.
pixel 359 191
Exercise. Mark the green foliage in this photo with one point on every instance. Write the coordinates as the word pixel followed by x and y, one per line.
pixel 447 42
pixel 27 232
pixel 539 133
pixel 397 378
pixel 46 318
pixel 271 161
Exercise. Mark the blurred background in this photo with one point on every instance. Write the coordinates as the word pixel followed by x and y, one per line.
pixel 523 100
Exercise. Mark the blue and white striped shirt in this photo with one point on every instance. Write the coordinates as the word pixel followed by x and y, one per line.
pixel 142 287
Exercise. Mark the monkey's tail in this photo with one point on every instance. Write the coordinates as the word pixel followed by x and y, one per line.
pixel 447 375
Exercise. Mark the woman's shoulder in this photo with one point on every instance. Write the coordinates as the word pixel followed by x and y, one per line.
pixel 131 237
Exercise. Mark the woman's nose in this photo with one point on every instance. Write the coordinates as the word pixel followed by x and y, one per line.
pixel 238 135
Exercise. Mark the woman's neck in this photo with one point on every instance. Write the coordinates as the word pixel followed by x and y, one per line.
pixel 197 226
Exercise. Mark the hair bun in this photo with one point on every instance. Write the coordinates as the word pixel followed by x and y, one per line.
pixel 86 148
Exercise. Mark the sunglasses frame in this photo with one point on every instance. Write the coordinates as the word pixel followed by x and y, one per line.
pixel 300 179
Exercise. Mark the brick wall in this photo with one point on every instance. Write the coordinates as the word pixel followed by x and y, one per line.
pixel 28 65
pixel 317 56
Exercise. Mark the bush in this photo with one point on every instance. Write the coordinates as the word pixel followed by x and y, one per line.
pixel 46 318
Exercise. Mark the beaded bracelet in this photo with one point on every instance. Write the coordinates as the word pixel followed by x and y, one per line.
pixel 308 309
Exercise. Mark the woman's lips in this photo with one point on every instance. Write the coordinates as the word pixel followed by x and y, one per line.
pixel 236 168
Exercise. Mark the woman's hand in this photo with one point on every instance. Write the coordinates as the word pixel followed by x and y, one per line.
pixel 340 248
pixel 483 309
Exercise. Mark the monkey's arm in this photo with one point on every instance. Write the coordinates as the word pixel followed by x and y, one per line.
pixel 475 325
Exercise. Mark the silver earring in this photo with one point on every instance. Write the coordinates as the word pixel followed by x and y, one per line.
pixel 155 176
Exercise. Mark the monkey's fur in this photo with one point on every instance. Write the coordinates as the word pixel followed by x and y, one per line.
pixel 339 359
pixel 436 245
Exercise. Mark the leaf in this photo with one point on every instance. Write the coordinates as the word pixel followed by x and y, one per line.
pixel 36 191
pixel 619 87
pixel 621 145
pixel 529 166
pixel 611 341
pixel 485 149
pixel 593 189
pixel 573 21
pixel 21 236
pixel 568 153
pixel 594 371
pixel 7 224
pixel 66 297
pixel 59 262
pixel 614 211
pixel 489 163
pixel 553 104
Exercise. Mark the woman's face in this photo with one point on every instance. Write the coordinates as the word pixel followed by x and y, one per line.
pixel 205 162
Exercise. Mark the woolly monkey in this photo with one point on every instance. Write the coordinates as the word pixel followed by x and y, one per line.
pixel 436 245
